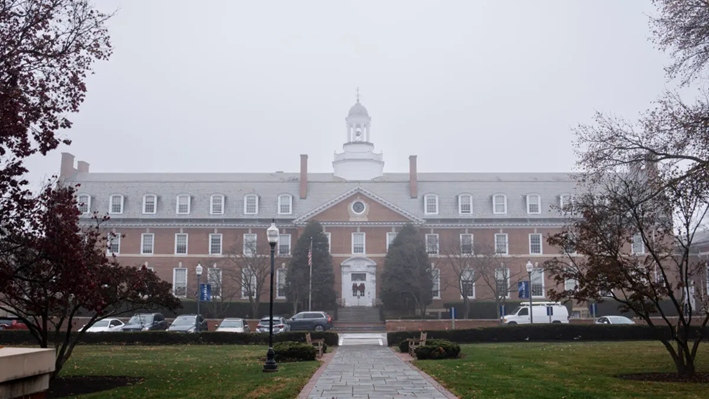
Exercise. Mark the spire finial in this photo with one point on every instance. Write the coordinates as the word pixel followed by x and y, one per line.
pixel 358 94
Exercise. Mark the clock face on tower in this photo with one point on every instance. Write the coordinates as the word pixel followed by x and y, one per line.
pixel 358 135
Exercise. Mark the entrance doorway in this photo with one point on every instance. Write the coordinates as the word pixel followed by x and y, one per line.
pixel 359 282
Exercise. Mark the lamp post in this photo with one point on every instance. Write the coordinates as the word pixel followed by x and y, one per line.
pixel 270 365
pixel 530 267
pixel 199 294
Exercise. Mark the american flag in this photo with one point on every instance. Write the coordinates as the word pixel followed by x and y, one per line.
pixel 310 254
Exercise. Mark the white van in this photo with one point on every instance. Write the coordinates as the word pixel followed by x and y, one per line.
pixel 559 314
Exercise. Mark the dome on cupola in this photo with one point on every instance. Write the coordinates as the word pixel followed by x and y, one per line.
pixel 358 110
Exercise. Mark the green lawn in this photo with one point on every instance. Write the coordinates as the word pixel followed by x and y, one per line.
pixel 562 370
pixel 199 371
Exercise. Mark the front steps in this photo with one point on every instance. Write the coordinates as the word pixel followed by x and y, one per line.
pixel 358 319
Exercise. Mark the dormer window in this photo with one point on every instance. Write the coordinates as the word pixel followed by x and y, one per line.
pixel 183 204
pixel 564 201
pixel 150 204
pixel 465 204
pixel 84 203
pixel 216 204
pixel 115 204
pixel 285 204
pixel 534 204
pixel 499 204
pixel 250 204
pixel 430 204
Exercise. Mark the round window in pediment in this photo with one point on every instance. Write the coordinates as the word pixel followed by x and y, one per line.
pixel 358 207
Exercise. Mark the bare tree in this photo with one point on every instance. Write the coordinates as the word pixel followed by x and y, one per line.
pixel 250 271
pixel 496 274
pixel 224 289
pixel 462 268
pixel 636 247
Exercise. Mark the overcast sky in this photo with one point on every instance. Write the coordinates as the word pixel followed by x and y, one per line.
pixel 468 86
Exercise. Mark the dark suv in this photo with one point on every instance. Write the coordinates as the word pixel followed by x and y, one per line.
pixel 317 321
pixel 146 322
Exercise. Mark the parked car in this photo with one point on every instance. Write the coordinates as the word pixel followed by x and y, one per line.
pixel 105 325
pixel 188 323
pixel 235 325
pixel 614 320
pixel 559 314
pixel 12 323
pixel 279 325
pixel 316 321
pixel 146 322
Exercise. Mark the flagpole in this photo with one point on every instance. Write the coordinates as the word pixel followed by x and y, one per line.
pixel 310 281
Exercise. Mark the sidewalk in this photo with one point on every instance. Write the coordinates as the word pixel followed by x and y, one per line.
pixel 370 372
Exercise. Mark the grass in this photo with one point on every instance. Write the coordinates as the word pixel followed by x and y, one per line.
pixel 562 370
pixel 200 371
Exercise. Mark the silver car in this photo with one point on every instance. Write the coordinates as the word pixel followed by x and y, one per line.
pixel 614 320
pixel 234 325
pixel 279 325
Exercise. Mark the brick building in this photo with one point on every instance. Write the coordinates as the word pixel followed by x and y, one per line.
pixel 173 221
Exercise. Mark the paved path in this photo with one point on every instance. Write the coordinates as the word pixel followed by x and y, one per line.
pixel 371 372
pixel 346 339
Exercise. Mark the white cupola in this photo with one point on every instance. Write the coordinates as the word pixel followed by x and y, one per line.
pixel 358 160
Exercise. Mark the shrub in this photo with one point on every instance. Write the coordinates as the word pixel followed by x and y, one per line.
pixel 173 338
pixel 291 351
pixel 437 349
pixel 404 346
pixel 544 333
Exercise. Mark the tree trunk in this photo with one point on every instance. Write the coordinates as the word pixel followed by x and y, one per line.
pixel 466 307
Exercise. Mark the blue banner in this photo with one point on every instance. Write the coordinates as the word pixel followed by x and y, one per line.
pixel 205 292
pixel 523 289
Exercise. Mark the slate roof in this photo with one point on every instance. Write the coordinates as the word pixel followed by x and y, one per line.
pixel 322 188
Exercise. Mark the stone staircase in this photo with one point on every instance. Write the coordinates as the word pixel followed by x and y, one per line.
pixel 360 319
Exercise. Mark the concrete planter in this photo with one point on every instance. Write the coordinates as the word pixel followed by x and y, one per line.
pixel 25 372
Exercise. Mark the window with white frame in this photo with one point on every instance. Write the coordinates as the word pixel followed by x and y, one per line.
pixel 214 279
pixel 115 205
pixel 501 243
pixel 466 244
pixel 183 204
pixel 538 282
pixel 84 203
pixel 215 244
pixel 430 204
pixel 502 282
pixel 391 236
pixel 432 244
pixel 281 283
pixel 564 201
pixel 250 204
pixel 499 204
pixel 150 204
pixel 284 244
pixel 114 243
pixel 358 243
pixel 285 204
pixel 181 243
pixel 570 284
pixel 465 204
pixel 248 282
pixel 216 203
pixel 535 244
pixel 436 278
pixel 569 247
pixel 638 247
pixel 179 282
pixel 467 283
pixel 249 244
pixel 534 204
pixel 329 241
pixel 147 243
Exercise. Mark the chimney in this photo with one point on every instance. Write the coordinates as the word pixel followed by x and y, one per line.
pixel 413 182
pixel 67 166
pixel 303 176
pixel 82 167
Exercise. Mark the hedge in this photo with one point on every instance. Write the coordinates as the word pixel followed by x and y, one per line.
pixel 174 338
pixel 290 351
pixel 543 332
pixel 437 349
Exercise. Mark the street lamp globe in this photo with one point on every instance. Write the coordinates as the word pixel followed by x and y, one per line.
pixel 530 267
pixel 199 269
pixel 272 234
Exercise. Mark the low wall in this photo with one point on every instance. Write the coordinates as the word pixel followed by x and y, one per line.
pixel 25 372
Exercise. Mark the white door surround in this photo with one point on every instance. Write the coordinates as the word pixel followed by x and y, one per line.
pixel 359 281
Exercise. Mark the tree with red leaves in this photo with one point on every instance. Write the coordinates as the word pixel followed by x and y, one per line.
pixel 51 268
pixel 47 48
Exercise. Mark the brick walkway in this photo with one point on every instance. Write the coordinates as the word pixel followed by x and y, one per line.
pixel 371 372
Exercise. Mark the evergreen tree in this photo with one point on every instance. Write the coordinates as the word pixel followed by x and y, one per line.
pixel 297 277
pixel 406 280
